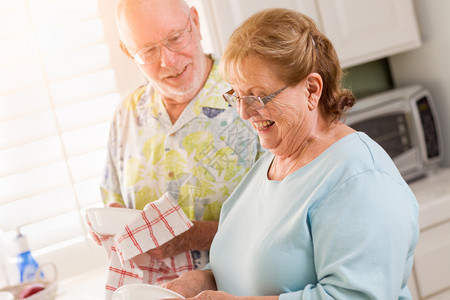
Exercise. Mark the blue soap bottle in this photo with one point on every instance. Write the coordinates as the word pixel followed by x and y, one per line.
pixel 26 263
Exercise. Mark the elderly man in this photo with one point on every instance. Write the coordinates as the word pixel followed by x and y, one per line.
pixel 176 133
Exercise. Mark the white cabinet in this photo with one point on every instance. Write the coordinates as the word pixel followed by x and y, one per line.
pixel 366 30
pixel 361 30
pixel 227 15
pixel 431 271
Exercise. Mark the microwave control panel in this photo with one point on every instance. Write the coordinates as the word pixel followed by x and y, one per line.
pixel 429 127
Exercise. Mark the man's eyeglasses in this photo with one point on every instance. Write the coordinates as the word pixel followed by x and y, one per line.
pixel 174 42
pixel 254 102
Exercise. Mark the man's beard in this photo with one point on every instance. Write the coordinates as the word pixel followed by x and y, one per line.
pixel 188 88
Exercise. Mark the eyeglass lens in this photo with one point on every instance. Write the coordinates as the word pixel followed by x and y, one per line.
pixel 252 101
pixel 174 42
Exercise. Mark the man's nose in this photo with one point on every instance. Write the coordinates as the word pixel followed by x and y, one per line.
pixel 168 57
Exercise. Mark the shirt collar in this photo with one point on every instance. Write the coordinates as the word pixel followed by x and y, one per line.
pixel 209 96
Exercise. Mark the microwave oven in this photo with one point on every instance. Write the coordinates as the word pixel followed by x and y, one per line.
pixel 404 122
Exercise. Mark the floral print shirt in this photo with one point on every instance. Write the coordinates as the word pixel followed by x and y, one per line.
pixel 201 158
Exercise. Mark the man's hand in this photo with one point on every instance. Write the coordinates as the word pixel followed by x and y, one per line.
pixel 191 283
pixel 199 237
pixel 114 204
pixel 98 238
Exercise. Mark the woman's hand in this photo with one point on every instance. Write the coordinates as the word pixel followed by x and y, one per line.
pixel 213 295
pixel 192 283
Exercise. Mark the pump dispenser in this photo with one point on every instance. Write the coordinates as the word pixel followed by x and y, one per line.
pixel 26 263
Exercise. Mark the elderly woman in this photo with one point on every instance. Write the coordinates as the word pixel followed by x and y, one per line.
pixel 325 214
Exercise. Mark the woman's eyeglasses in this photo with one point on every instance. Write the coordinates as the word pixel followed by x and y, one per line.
pixel 254 102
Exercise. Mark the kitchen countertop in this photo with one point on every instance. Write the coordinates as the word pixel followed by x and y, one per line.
pixel 85 286
pixel 433 195
pixel 430 276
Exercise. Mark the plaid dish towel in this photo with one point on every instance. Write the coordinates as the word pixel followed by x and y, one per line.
pixel 159 222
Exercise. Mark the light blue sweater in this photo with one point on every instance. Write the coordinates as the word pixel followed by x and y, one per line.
pixel 343 227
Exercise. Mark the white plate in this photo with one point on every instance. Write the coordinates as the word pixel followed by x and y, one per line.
pixel 138 291
pixel 111 220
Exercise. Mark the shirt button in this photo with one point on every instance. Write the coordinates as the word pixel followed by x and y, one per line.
pixel 171 174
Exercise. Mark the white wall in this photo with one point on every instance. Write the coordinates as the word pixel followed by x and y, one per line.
pixel 128 77
pixel 430 64
pixel 208 43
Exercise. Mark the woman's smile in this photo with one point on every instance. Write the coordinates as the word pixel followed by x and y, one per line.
pixel 262 125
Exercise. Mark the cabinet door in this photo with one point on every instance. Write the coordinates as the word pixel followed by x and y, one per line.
pixel 412 286
pixel 445 295
pixel 365 30
pixel 432 261
pixel 227 15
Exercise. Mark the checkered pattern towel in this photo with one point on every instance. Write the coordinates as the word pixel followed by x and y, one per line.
pixel 159 222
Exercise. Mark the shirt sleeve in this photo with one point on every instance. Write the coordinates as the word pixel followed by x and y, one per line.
pixel 110 187
pixel 364 236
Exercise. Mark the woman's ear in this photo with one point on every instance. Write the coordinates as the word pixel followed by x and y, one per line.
pixel 314 85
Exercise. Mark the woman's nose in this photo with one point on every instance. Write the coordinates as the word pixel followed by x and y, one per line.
pixel 246 111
